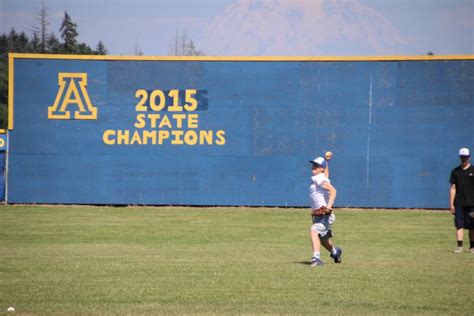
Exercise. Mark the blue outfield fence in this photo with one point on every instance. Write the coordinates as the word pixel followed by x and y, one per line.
pixel 236 131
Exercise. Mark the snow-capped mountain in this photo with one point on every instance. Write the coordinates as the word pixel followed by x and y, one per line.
pixel 300 27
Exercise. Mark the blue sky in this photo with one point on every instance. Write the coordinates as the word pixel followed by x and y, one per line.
pixel 260 27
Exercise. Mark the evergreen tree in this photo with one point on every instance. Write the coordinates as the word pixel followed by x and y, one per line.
pixel 12 39
pixel 53 45
pixel 83 49
pixel 191 50
pixel 22 43
pixel 3 48
pixel 17 43
pixel 100 49
pixel 69 34
pixel 3 84
pixel 35 45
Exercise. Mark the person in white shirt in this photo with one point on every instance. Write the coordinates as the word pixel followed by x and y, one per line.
pixel 322 194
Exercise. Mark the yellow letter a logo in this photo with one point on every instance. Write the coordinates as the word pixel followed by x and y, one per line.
pixel 68 94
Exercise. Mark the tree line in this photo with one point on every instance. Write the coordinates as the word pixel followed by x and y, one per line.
pixel 182 46
pixel 40 42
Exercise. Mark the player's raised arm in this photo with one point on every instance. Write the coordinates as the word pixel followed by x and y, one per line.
pixel 327 156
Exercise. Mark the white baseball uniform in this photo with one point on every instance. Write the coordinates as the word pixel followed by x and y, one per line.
pixel 319 196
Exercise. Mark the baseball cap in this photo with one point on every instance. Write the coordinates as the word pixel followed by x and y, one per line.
pixel 319 161
pixel 464 152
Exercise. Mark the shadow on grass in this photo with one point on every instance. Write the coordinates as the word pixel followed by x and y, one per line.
pixel 306 263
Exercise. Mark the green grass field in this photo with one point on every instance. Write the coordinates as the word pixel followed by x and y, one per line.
pixel 176 260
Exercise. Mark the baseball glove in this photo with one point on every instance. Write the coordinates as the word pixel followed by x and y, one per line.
pixel 323 210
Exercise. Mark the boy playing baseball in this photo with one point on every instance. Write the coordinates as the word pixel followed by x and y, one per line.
pixel 322 195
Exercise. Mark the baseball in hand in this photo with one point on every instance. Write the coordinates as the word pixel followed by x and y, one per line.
pixel 328 155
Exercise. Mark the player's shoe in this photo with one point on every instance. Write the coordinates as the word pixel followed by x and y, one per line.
pixel 471 250
pixel 316 262
pixel 337 256
pixel 458 250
